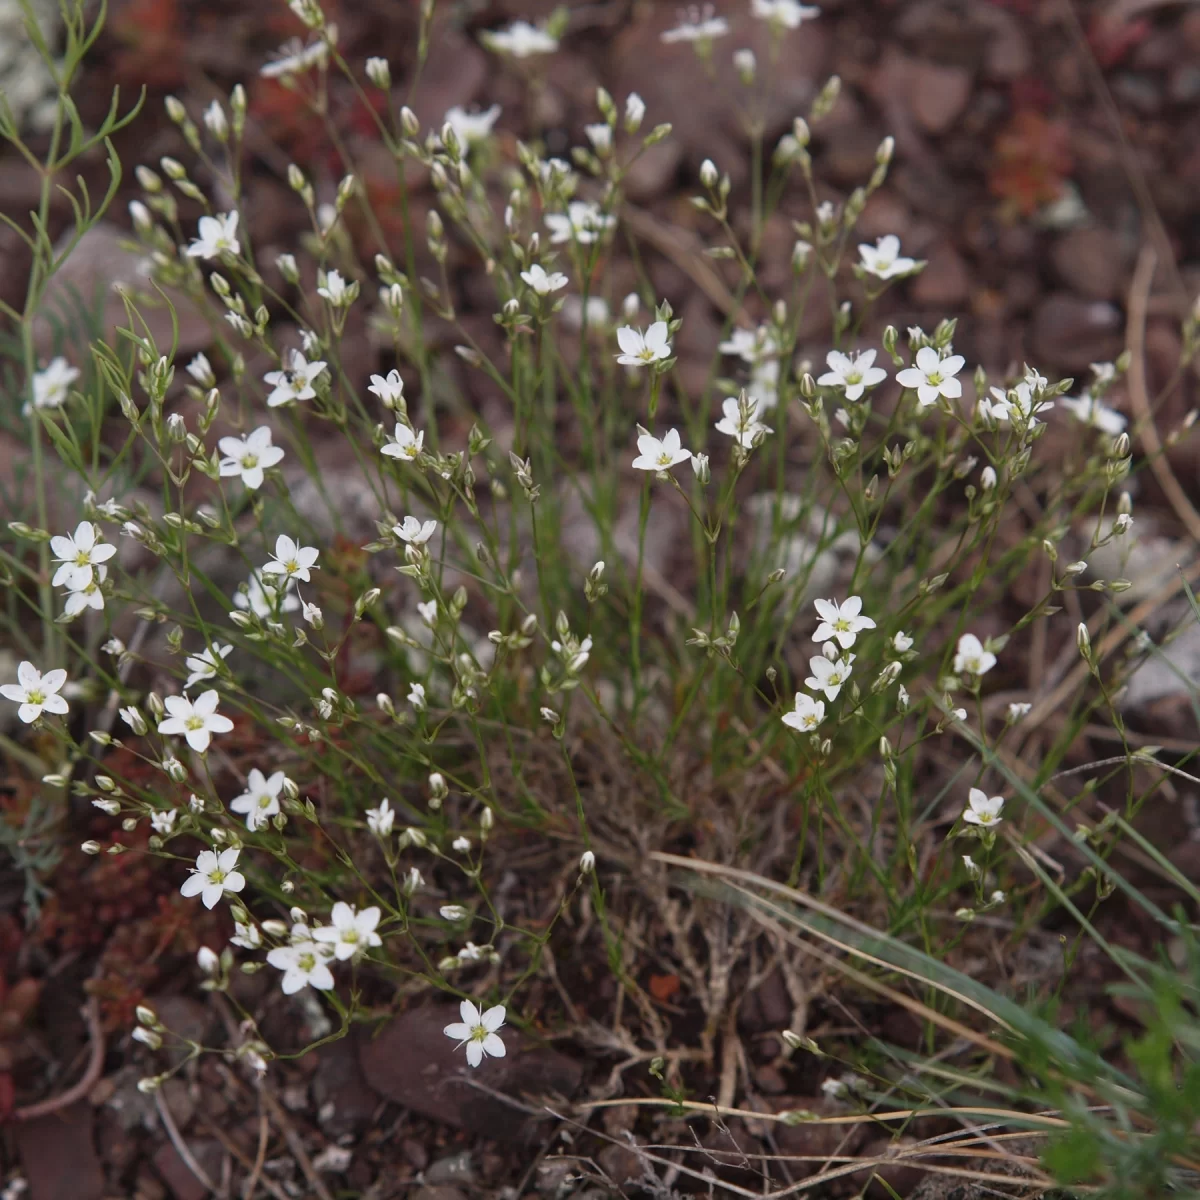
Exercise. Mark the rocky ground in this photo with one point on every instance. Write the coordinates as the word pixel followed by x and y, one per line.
pixel 1047 166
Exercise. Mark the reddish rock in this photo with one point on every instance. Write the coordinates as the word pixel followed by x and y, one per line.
pixel 411 1062
pixel 946 281
pixel 58 1156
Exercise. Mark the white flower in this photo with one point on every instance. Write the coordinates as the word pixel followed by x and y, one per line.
pixel 380 820
pixel 640 350
pixel 763 386
pixel 933 376
pixel 841 621
pixel 635 110
pixel 78 553
pixel 349 931
pixel 215 236
pixel 471 127
pixel 36 693
pixel 303 964
pixel 828 675
pixel 452 912
pixel 470 953
pixel 204 665
pixel 1091 412
pixel 971 658
pixel 312 614
pixel 600 135
pixel 902 642
pixel 883 260
pixel 265 599
pixel 988 478
pixel 697 25
pixel 405 443
pixel 200 369
pixel 293 57
pixel 389 388
pixel 249 937
pixel 854 373
pixel 414 532
pixel 1019 404
pixel 751 345
pixel 195 720
pixel 478 1032
pixel 260 800
pixel 655 455
pixel 542 283
pixel 582 223
pixel 807 714
pixel 214 875
pixel 983 809
pixel 1018 710
pixel 88 596
pixel 163 822
pixel 215 121
pixel 416 696
pixel 294 382
pixel 744 432
pixel 249 456
pixel 207 960
pixel 461 845
pixel 334 290
pixel 50 385
pixel 573 312
pixel 428 612
pixel 520 39
pixel 787 13
pixel 292 560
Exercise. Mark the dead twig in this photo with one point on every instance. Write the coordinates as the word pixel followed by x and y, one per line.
pixel 295 1145
pixel 182 1148
pixel 91 1015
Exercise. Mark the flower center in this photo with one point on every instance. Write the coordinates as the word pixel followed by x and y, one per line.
pixel 291 566
pixel 810 721
pixel 307 963
pixel 664 459
pixel 479 1034
pixel 216 875
pixel 854 376
pixel 249 461
pixel 81 558
pixel 35 696
pixel 194 722
pixel 264 801
pixel 934 378
pixel 350 935
pixel 842 625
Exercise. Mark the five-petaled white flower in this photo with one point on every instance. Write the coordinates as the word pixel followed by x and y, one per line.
pixel 542 283
pixel 852 372
pixel 204 665
pixel 292 560
pixel 1090 411
pixel 78 554
pixel 788 13
pixel 335 290
pixel 266 599
pixel 841 621
pixel 293 382
pixel 249 456
pixel 970 658
pixel 195 720
pixel 477 1031
pixel 404 443
pixel 656 455
pixel 751 345
pixel 260 801
pixel 1018 710
pixel 415 532
pixel 883 260
pixel 745 430
pixel 429 613
pixel 216 235
pixel 349 932
pixel 933 376
pixel 88 596
pixel 1019 405
pixel 520 39
pixel 380 820
pixel 389 388
pixel 471 127
pixel 983 809
pixel 828 675
pixel 51 384
pixel 416 696
pixel 163 821
pixel 582 223
pixel 304 964
pixel 641 349
pixel 807 714
pixel 293 57
pixel 697 25
pixel 36 693
pixel 213 875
